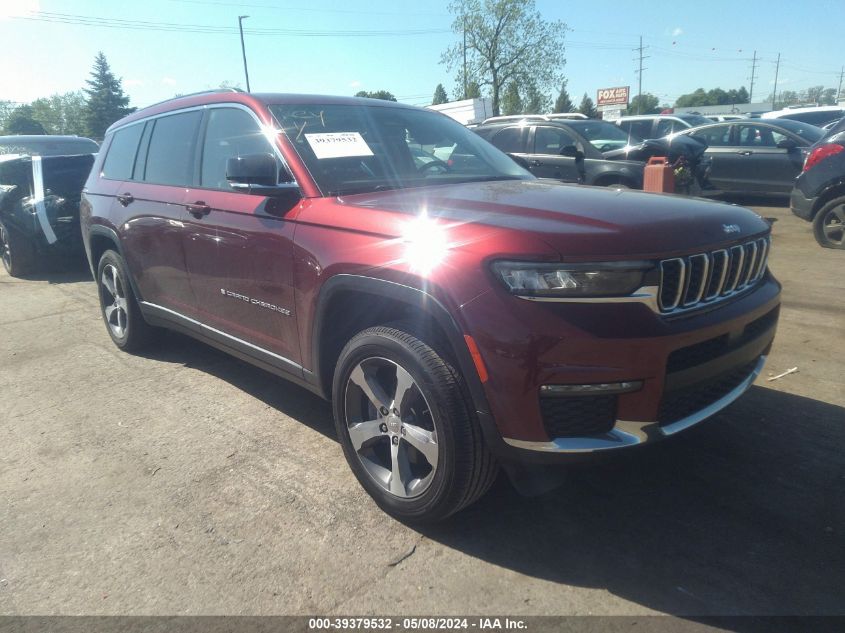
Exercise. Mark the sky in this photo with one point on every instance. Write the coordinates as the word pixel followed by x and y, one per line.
pixel 163 47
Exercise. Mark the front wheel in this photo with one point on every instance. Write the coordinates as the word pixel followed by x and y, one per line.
pixel 18 252
pixel 406 428
pixel 121 314
pixel 829 224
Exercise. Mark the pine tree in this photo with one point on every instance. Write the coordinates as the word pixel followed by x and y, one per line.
pixel 439 95
pixel 587 107
pixel 563 103
pixel 106 102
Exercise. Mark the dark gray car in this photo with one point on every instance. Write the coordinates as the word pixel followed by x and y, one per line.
pixel 756 156
pixel 570 152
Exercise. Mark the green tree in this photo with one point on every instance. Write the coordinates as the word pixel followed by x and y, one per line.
pixel 439 95
pixel 587 107
pixel 646 103
pixel 535 102
pixel 563 103
pixel 716 96
pixel 22 121
pixel 384 95
pixel 473 90
pixel 506 41
pixel 6 109
pixel 511 100
pixel 106 102
pixel 61 113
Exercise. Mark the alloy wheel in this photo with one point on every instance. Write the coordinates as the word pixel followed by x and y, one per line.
pixel 833 225
pixel 114 301
pixel 7 249
pixel 391 427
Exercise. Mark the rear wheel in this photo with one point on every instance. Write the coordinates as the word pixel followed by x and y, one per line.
pixel 405 427
pixel 829 224
pixel 121 314
pixel 18 252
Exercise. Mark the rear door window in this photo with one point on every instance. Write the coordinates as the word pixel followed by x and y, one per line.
pixel 716 136
pixel 640 128
pixel 121 156
pixel 170 155
pixel 511 140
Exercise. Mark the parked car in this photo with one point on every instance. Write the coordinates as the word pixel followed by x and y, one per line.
pixel 558 150
pixel 755 156
pixel 815 115
pixel 819 192
pixel 718 118
pixel 47 145
pixel 648 126
pixel 458 319
pixel 39 208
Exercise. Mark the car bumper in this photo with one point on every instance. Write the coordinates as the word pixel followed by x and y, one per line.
pixel 687 369
pixel 801 206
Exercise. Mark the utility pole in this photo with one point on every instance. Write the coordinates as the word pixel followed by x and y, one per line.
pixel 753 71
pixel 241 19
pixel 640 74
pixel 775 91
pixel 839 89
pixel 465 57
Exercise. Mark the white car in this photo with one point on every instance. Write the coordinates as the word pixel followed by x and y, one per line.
pixel 814 115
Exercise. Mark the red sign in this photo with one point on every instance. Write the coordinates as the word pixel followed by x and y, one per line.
pixel 613 96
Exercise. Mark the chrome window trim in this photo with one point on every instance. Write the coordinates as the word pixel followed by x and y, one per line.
pixel 287 361
pixel 631 433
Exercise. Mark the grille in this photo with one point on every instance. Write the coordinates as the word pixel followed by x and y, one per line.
pixel 696 280
pixel 711 349
pixel 578 416
pixel 677 405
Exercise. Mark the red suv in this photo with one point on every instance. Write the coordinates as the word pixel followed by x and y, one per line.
pixel 459 314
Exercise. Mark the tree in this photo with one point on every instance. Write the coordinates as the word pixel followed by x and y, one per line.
pixel 646 103
pixel 473 90
pixel 563 103
pixel 587 107
pixel 384 95
pixel 61 113
pixel 535 102
pixel 511 101
pixel 716 96
pixel 22 121
pixel 439 95
pixel 506 41
pixel 106 102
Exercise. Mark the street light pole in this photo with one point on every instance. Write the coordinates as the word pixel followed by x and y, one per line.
pixel 241 19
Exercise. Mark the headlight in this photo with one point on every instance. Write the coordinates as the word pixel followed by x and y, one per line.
pixel 610 279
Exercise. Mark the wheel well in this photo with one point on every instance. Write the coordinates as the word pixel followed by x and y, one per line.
pixel 351 311
pixel 99 245
pixel 834 192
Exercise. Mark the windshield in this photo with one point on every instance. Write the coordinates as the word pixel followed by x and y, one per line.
pixel 48 147
pixel 362 148
pixel 695 120
pixel 602 135
pixel 804 130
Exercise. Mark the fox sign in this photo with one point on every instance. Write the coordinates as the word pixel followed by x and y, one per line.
pixel 613 96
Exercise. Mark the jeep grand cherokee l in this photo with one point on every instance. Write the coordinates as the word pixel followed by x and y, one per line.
pixel 459 316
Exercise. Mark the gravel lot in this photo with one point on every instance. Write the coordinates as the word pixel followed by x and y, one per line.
pixel 186 482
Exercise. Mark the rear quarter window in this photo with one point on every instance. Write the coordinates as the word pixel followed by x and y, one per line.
pixel 121 153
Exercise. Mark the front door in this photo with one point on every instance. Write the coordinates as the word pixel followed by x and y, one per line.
pixel 238 246
pixel 764 167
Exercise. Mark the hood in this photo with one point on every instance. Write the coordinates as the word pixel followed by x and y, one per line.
pixel 577 221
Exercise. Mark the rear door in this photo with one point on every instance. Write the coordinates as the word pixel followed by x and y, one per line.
pixel 239 246
pixel 545 157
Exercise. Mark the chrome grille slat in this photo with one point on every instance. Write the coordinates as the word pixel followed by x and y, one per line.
pixel 700 279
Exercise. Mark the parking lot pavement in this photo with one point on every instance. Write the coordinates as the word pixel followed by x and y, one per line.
pixel 186 482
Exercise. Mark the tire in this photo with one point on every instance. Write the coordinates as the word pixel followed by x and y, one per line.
pixel 428 439
pixel 829 224
pixel 124 322
pixel 18 253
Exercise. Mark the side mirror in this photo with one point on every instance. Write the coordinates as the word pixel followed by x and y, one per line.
pixel 571 151
pixel 788 144
pixel 257 174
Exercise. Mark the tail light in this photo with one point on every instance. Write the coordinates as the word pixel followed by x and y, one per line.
pixel 822 152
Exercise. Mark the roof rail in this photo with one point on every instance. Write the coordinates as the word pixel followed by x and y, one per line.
pixel 194 94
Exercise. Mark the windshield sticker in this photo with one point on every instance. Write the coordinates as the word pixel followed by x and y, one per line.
pixel 338 145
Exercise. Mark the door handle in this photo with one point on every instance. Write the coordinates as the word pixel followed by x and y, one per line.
pixel 536 163
pixel 125 199
pixel 745 152
pixel 198 209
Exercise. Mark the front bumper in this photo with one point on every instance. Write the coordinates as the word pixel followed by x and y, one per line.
pixel 528 344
